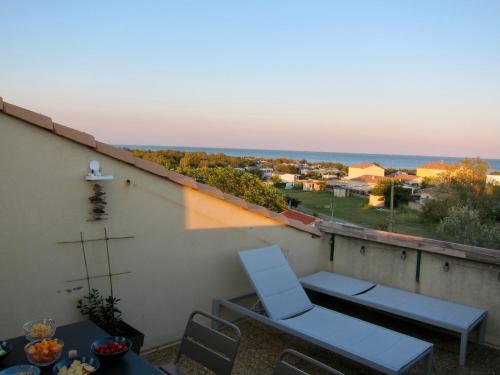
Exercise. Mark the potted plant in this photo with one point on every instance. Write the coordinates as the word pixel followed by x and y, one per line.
pixel 104 312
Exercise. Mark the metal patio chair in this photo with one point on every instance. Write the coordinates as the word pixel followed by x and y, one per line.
pixel 207 346
pixel 284 367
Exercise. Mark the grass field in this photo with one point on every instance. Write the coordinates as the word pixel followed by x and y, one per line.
pixel 356 210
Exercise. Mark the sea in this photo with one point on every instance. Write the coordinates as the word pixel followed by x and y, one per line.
pixel 386 160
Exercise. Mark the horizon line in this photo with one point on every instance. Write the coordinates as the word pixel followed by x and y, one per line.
pixel 166 147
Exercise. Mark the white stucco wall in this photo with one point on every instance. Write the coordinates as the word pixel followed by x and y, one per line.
pixel 182 255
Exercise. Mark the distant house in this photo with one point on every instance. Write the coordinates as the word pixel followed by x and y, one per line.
pixel 340 192
pixel 313 185
pixel 306 170
pixel 288 178
pixel 300 216
pixel 364 169
pixel 266 172
pixel 433 169
pixel 329 173
pixel 409 181
pixel 433 193
pixel 363 184
pixel 493 179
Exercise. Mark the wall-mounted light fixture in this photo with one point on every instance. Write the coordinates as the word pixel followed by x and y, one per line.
pixel 95 172
pixel 362 250
pixel 446 267
pixel 403 255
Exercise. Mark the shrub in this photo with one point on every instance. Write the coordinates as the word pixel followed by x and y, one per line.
pixel 293 202
pixel 463 225
pixel 434 210
pixel 241 184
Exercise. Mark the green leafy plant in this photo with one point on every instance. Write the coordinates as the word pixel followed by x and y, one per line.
pixel 463 225
pixel 102 311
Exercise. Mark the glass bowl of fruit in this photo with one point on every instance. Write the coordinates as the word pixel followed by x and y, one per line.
pixel 44 352
pixel 5 349
pixel 113 347
pixel 39 329
pixel 76 365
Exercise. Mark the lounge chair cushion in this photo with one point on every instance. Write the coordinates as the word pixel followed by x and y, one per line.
pixel 275 282
pixel 431 310
pixel 343 285
pixel 359 339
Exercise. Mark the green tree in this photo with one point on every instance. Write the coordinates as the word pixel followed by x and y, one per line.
pixel 241 184
pixel 287 168
pixel 401 194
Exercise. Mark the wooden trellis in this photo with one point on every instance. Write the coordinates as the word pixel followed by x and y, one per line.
pixel 110 274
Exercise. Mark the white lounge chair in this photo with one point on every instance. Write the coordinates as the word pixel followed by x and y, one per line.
pixel 433 311
pixel 289 309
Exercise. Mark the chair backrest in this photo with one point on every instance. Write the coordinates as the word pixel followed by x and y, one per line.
pixel 209 347
pixel 286 368
pixel 276 284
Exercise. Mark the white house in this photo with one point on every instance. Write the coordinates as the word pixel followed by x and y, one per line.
pixel 288 178
pixel 493 179
pixel 266 172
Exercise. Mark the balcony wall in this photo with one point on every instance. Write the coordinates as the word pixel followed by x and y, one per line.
pixel 472 276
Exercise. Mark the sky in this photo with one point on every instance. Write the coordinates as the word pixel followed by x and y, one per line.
pixel 393 77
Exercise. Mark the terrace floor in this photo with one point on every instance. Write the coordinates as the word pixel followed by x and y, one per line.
pixel 261 345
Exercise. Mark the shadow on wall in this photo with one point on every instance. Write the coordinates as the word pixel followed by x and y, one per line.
pixel 175 249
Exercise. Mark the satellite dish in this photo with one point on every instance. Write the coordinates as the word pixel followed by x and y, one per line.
pixel 95 166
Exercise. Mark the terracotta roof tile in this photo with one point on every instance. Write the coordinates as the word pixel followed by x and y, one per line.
pixel 182 180
pixel 237 201
pixel 75 135
pixel 300 216
pixel 28 116
pixel 280 217
pixel 368 179
pixel 259 209
pixel 148 166
pixel 151 167
pixel 115 152
pixel 406 177
pixel 213 191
